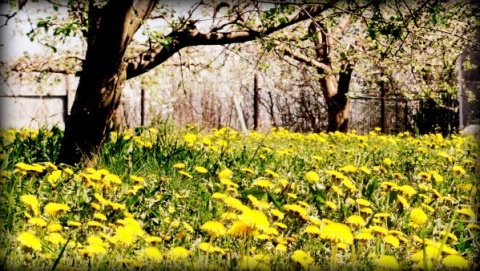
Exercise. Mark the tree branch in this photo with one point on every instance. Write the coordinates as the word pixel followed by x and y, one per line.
pixel 185 38
pixel 326 69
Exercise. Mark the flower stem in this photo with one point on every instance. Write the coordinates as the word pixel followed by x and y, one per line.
pixel 333 259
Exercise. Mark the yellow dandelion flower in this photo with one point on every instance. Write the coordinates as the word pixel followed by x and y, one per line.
pixel 366 236
pixel 276 213
pixel 431 252
pixel 316 221
pixel 229 216
pixel 337 233
pixel 468 212
pixel 312 230
pixel 178 254
pixel 92 250
pixel 53 177
pixel 392 240
pixel 100 216
pixel 406 190
pixel 225 174
pixel 29 240
pixel 458 170
pixel 280 225
pixel 356 220
pixel 363 202
pixel 281 248
pixel 201 169
pixel 365 170
pixel 403 201
pixel 386 262
pixel 153 239
pixel 473 226
pixel 312 177
pixel 366 210
pixel 388 185
pixel 55 238
pixel 349 184
pixel 337 190
pixel 214 228
pixel 424 176
pixel 242 230
pixel 378 229
pixel 154 254
pixel 271 173
pixel 437 177
pixel 303 204
pixel 54 227
pixel 233 203
pixel 331 205
pixel 302 258
pixel 456 261
pixel 186 174
pixel 124 236
pixel 262 183
pixel 179 166
pixel 74 223
pixel 219 196
pixel 255 218
pixel 296 209
pixel 418 216
pixel 247 170
pixel 95 240
pixel 206 247
pixel 250 263
pixel 291 195
pixel 53 208
pixel 387 161
pixel 397 175
pixel 31 201
pixel 228 182
pixel 37 221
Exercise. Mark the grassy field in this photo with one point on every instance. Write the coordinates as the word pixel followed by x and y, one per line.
pixel 183 199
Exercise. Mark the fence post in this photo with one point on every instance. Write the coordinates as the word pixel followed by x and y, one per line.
pixel 383 119
pixel 142 107
pixel 255 102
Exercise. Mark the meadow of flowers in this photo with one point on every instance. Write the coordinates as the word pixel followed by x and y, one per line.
pixel 187 199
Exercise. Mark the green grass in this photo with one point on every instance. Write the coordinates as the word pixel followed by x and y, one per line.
pixel 144 205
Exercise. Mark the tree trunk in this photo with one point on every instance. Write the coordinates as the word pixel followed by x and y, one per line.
pixel 338 108
pixel 338 105
pixel 101 81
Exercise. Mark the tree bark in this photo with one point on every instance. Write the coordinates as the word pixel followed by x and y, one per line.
pixel 334 91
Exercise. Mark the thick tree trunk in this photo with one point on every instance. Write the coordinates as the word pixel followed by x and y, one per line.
pixel 101 81
pixel 86 127
pixel 338 108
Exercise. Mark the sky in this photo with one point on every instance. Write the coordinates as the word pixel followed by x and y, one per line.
pixel 14 43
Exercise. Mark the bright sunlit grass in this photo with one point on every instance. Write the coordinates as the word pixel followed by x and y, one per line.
pixel 166 199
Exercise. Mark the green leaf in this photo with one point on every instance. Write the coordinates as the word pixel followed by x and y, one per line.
pixel 254 192
pixel 271 198
pixel 57 260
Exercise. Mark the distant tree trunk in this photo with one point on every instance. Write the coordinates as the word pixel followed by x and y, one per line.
pixel 334 91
